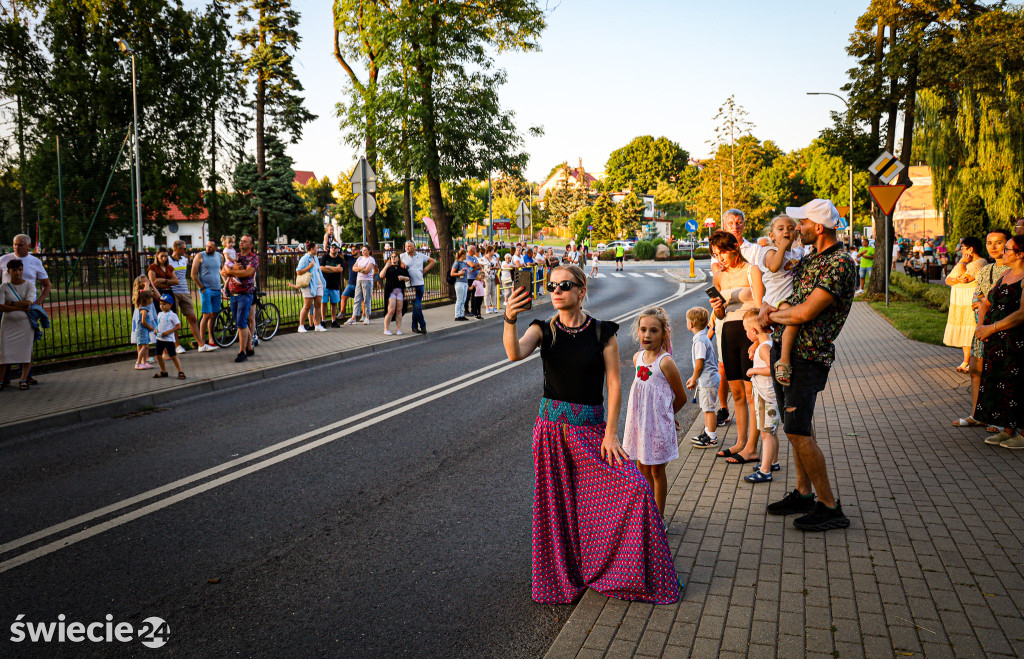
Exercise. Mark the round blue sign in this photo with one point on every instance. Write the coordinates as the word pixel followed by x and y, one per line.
pixel 691 226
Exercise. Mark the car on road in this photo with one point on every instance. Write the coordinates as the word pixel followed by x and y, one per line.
pixel 615 243
pixel 601 247
pixel 684 244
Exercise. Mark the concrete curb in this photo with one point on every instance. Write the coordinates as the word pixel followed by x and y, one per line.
pixel 149 400
pixel 570 640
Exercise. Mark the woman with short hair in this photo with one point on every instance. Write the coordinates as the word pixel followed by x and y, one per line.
pixel 459 270
pixel 313 291
pixel 595 522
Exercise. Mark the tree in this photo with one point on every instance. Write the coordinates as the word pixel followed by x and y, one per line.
pixel 272 192
pixel 565 199
pixel 317 196
pixel 268 40
pixel 643 163
pixel 630 216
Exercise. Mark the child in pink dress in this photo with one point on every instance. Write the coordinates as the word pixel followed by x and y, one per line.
pixel 656 395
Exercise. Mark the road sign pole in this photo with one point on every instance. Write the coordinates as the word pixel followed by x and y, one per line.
pixel 362 184
pixel 885 252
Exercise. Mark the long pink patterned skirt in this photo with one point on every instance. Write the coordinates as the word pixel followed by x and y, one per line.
pixel 594 525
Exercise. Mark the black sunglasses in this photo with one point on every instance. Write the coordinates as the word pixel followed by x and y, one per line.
pixel 563 286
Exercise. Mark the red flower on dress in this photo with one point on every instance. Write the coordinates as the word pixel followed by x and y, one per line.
pixel 643 373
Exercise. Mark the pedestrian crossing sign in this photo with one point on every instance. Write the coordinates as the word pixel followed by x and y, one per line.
pixel 886 167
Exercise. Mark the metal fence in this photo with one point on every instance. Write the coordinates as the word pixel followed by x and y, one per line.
pixel 90 304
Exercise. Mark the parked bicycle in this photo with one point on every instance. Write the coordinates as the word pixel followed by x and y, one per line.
pixel 268 320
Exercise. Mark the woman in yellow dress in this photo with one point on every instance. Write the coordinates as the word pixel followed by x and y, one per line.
pixel 960 324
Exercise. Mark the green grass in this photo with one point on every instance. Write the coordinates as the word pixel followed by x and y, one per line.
pixel 914 320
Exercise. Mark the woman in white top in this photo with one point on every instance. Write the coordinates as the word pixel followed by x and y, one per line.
pixel 491 262
pixel 507 268
pixel 740 284
pixel 16 333
pixel 960 323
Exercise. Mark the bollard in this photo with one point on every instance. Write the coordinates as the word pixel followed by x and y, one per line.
pixel 693 270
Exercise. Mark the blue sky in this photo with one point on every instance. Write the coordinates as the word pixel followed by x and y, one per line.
pixel 609 71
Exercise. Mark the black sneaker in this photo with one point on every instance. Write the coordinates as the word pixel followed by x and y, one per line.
pixel 335 323
pixel 703 441
pixel 823 518
pixel 241 357
pixel 461 318
pixel 794 502
pixel 723 416
pixel 250 352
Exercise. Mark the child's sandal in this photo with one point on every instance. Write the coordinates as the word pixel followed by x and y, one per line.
pixel 159 375
pixel 181 376
pixel 783 373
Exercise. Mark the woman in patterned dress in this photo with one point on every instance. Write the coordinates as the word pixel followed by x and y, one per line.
pixel 960 322
pixel 595 522
pixel 1001 394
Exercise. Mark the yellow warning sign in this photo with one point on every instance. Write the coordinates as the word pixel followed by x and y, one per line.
pixel 886 196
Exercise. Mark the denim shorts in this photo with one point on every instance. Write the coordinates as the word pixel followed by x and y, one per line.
pixel 350 291
pixel 808 379
pixel 331 295
pixel 210 299
pixel 865 272
pixel 240 305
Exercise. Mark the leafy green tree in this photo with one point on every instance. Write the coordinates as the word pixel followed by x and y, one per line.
pixel 581 220
pixel 643 163
pixel 971 219
pixel 273 191
pixel 317 196
pixel 606 217
pixel 268 38
pixel 630 216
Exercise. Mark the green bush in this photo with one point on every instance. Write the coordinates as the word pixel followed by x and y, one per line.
pixel 608 255
pixel 643 250
pixel 502 252
pixel 933 295
pixel 661 241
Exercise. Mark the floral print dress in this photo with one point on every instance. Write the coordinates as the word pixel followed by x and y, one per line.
pixel 650 435
pixel 1001 394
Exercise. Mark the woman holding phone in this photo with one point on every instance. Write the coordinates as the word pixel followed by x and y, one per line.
pixel 739 288
pixel 595 522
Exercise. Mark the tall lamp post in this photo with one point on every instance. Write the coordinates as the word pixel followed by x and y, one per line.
pixel 851 164
pixel 127 50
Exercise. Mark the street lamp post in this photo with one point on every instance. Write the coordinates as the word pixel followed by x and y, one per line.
pixel 851 164
pixel 127 50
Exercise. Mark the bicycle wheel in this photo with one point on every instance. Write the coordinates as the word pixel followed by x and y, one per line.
pixel 224 331
pixel 268 320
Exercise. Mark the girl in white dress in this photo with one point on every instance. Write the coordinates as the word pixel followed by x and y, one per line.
pixel 655 397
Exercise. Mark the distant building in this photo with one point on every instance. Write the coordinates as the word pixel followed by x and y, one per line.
pixel 303 177
pixel 915 216
pixel 190 228
pixel 576 175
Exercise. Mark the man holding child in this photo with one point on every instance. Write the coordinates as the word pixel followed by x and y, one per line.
pixel 824 284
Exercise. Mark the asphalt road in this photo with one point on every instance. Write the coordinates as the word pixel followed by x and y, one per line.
pixel 406 532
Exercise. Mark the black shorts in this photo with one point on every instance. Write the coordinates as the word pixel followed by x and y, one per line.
pixel 164 346
pixel 618 259
pixel 735 346
pixel 807 380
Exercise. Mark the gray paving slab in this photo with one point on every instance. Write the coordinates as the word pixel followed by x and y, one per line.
pixel 927 567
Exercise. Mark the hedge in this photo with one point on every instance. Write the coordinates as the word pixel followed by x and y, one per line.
pixel 934 295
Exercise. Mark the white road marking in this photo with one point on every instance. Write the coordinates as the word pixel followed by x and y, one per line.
pixel 617 274
pixel 654 274
pixel 411 402
pixel 636 274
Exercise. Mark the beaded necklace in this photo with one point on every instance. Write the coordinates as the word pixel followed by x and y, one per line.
pixel 572 331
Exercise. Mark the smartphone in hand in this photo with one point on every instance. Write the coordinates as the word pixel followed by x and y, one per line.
pixel 713 292
pixel 524 280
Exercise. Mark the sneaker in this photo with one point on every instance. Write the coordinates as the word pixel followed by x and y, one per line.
pixel 823 518
pixel 399 332
pixel 758 477
pixel 212 346
pixel 351 321
pixel 302 329
pixel 479 317
pixel 151 360
pixel 203 348
pixel 461 318
pixel 723 416
pixel 1015 442
pixel 142 367
pixel 794 502
pixel 335 323
pixel 703 441
pixel 180 350
pixel 775 466
pixel 366 321
pixel 387 332
pixel 250 353
pixel 319 328
pixel 998 438
pixel 241 357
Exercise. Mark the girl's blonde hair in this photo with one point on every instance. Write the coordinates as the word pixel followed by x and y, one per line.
pixel 771 225
pixel 580 278
pixel 226 240
pixel 662 317
pixel 137 285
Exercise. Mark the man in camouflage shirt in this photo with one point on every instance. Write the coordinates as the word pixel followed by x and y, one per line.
pixel 823 288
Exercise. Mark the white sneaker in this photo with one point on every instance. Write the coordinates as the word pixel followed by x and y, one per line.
pixel 319 328
pixel 366 321
pixel 302 329
pixel 387 332
pixel 211 348
pixel 180 350
pixel 399 332
pixel 202 348
pixel 350 321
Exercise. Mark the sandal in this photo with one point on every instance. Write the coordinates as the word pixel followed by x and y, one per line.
pixel 962 368
pixel 160 375
pixel 965 422
pixel 724 453
pixel 783 373
pixel 758 477
pixel 181 376
pixel 775 467
pixel 737 459
pixel 23 385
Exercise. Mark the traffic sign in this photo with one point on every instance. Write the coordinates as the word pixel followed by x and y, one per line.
pixel 691 226
pixel 356 178
pixel 886 167
pixel 387 233
pixel 886 196
pixel 371 206
pixel 522 215
pixel 502 225
pixel 709 223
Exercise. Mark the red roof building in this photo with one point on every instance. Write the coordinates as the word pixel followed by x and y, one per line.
pixel 303 177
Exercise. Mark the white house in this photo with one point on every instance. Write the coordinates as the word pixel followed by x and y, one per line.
pixel 192 230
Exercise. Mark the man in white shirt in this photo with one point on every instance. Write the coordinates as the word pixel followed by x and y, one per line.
pixel 417 263
pixel 34 272
pixel 734 221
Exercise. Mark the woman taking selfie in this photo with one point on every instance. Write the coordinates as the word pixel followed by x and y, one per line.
pixel 595 522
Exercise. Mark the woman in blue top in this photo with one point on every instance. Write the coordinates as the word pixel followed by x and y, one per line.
pixel 311 293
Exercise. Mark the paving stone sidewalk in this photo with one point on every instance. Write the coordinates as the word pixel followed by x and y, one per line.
pixel 105 390
pixel 930 566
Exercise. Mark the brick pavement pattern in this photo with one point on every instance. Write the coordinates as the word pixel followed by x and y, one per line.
pixel 930 566
pixel 61 395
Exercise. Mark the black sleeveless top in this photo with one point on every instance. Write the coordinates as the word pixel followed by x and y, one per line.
pixel 574 365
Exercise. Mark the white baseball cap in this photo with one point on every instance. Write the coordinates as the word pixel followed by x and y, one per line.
pixel 821 211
